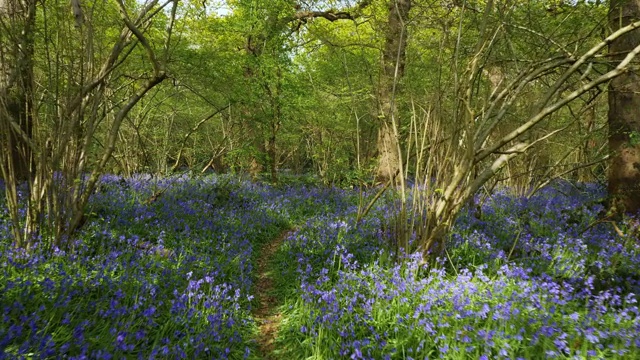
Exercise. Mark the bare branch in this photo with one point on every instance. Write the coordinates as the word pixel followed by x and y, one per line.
pixel 509 94
pixel 303 16
pixel 157 67
pixel 588 55
pixel 481 154
pixel 193 130
pixel 172 20
pixel 112 60
pixel 578 167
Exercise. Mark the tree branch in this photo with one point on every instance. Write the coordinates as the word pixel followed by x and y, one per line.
pixel 301 17
pixel 157 68
pixel 543 113
pixel 191 131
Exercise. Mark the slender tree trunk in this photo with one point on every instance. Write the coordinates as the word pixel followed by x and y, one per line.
pixel 392 70
pixel 65 150
pixel 17 18
pixel 624 114
pixel 275 121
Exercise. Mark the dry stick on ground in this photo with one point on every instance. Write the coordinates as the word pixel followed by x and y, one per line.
pixel 267 317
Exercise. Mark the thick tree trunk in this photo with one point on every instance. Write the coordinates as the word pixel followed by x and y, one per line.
pixel 254 49
pixel 392 70
pixel 388 157
pixel 624 114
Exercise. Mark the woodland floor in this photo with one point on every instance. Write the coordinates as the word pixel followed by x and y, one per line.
pixel 267 314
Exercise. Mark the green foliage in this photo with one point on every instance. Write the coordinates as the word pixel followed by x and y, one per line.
pixel 634 138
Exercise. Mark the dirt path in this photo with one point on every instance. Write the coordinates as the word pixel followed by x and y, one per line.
pixel 266 314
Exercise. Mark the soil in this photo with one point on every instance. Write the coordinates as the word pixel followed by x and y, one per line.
pixel 267 314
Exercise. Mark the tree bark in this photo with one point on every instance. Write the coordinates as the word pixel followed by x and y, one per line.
pixel 253 50
pixel 392 70
pixel 17 18
pixel 624 114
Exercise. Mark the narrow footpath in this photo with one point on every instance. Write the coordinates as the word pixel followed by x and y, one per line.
pixel 266 314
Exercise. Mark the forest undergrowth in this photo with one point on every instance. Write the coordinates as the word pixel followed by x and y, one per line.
pixel 204 271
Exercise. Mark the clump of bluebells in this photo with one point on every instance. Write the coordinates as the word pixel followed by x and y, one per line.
pixel 163 269
pixel 527 278
pixel 557 232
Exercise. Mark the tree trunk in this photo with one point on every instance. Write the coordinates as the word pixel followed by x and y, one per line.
pixel 388 158
pixel 16 84
pixel 275 121
pixel 624 114
pixel 253 49
pixel 254 133
pixel 17 19
pixel 64 196
pixel 273 158
pixel 392 70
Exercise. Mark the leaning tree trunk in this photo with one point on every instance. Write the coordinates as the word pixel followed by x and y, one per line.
pixel 392 70
pixel 624 114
